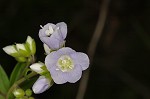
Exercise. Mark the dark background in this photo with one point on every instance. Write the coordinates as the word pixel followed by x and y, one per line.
pixel 121 65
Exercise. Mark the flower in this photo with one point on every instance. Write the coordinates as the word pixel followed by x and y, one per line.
pixel 42 84
pixel 53 35
pixel 37 67
pixel 66 65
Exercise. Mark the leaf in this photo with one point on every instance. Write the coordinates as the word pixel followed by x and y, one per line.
pixel 4 81
pixel 17 72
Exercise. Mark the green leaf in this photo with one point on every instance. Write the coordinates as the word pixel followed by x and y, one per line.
pixel 4 81
pixel 17 72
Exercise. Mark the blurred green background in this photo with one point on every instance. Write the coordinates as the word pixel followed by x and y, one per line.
pixel 121 65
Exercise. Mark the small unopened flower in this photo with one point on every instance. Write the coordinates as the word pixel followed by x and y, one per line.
pixel 31 45
pixel 37 67
pixel 19 93
pixel 42 84
pixel 66 65
pixel 22 50
pixel 47 49
pixel 53 35
pixel 11 50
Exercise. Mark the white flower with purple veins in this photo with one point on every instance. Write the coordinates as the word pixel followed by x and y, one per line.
pixel 66 65
pixel 53 35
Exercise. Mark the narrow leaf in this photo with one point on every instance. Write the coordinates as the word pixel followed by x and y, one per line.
pixel 17 72
pixel 4 82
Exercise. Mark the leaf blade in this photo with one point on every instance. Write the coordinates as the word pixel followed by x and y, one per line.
pixel 17 72
pixel 4 81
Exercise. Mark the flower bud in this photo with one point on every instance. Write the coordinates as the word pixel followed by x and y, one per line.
pixel 42 84
pixel 28 92
pixel 31 45
pixel 37 67
pixel 31 98
pixel 47 49
pixel 19 93
pixel 11 50
pixel 22 49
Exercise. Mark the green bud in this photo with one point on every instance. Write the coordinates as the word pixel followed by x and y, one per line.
pixel 18 93
pixel 31 45
pixel 28 92
pixel 31 98
pixel 24 97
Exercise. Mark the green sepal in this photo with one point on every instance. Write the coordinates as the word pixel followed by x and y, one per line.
pixel 21 59
pixel 24 53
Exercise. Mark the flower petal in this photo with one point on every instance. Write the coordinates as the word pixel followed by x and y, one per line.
pixel 74 75
pixel 41 85
pixel 66 51
pixel 57 75
pixel 51 42
pixel 81 59
pixel 63 29
pixel 51 60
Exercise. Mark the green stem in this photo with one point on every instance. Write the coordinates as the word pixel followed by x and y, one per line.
pixel 2 94
pixel 19 82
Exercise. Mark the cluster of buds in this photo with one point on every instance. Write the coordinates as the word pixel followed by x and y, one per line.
pixel 22 52
pixel 21 94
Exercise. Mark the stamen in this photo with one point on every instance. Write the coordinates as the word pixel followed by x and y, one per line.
pixel 41 26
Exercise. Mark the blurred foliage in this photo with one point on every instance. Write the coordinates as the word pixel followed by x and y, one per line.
pixel 125 42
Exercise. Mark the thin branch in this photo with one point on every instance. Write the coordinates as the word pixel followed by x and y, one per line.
pixel 2 94
pixel 19 82
pixel 92 46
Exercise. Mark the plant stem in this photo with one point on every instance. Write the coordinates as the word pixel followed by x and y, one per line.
pixel 19 82
pixel 2 94
pixel 92 46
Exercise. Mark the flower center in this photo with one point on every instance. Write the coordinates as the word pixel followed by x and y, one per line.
pixel 65 63
pixel 49 31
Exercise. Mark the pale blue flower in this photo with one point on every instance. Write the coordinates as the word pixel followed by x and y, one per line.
pixel 53 35
pixel 42 84
pixel 66 65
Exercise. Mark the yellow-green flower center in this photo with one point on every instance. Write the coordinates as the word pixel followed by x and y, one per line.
pixel 65 63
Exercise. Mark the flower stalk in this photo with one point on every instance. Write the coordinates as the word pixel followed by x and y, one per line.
pixel 32 74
